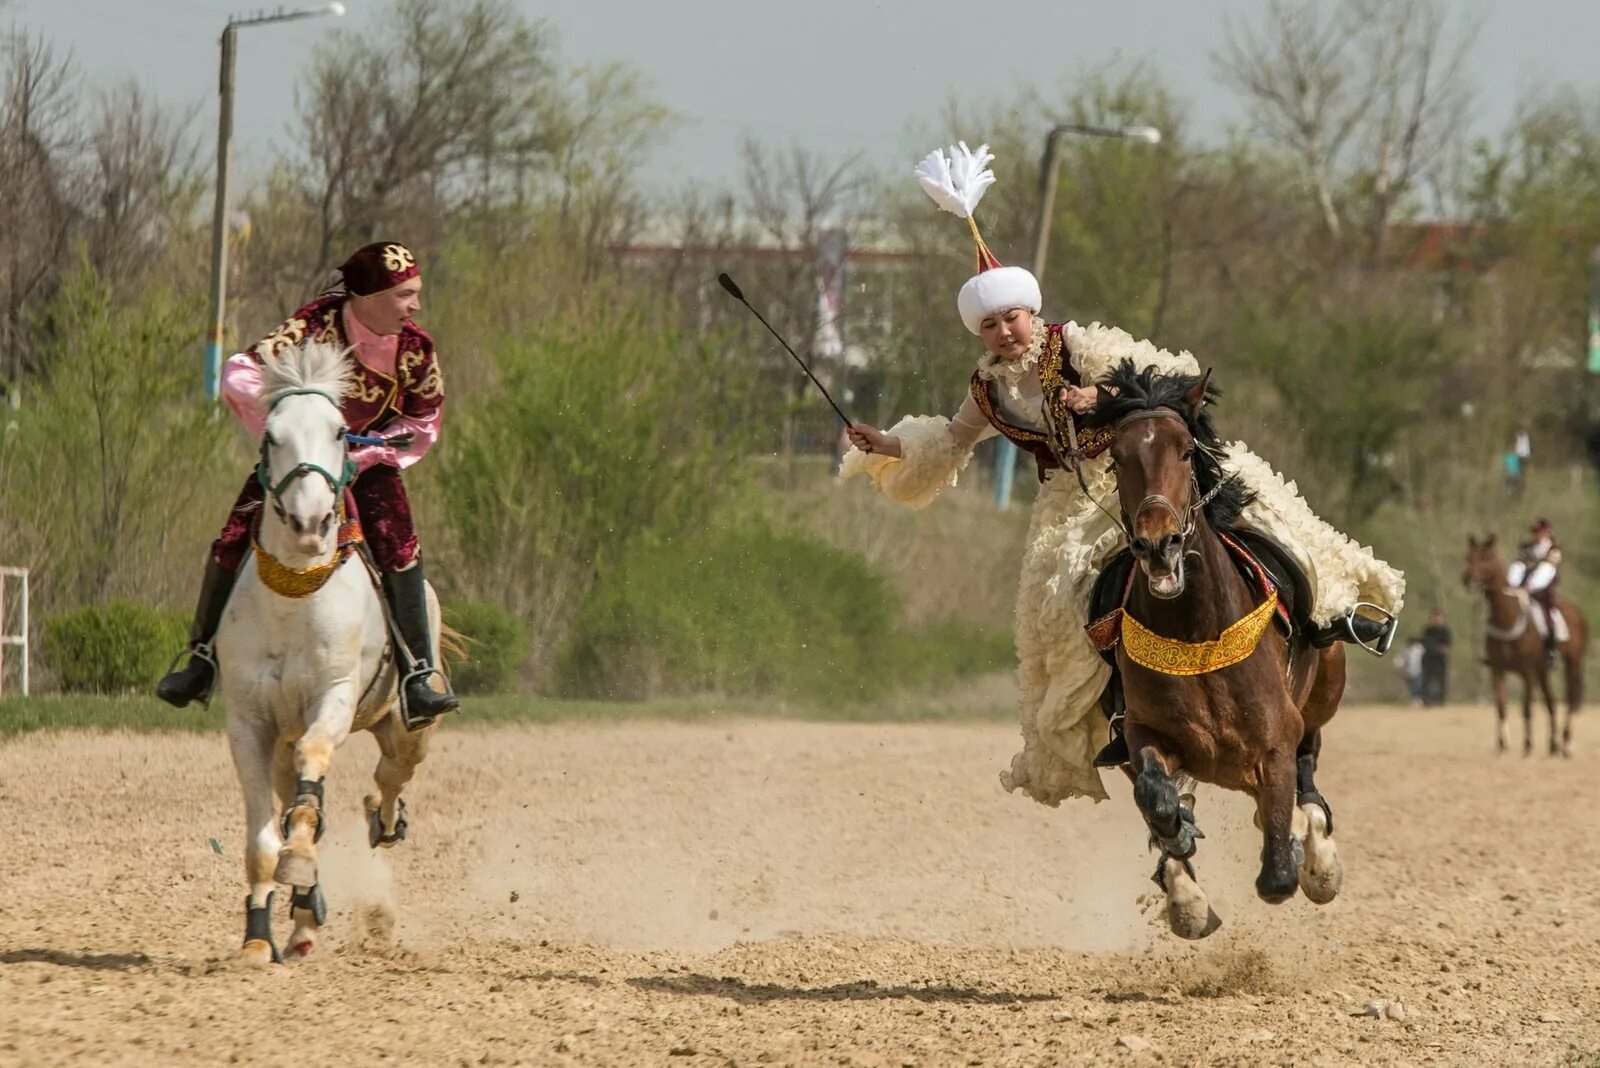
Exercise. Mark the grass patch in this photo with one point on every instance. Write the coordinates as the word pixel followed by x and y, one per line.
pixel 986 699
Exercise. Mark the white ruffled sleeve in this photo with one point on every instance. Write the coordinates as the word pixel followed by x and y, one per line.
pixel 933 450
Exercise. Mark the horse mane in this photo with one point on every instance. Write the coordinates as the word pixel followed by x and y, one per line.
pixel 1148 390
pixel 310 365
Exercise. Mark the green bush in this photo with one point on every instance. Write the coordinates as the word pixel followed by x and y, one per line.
pixel 496 645
pixel 744 610
pixel 112 649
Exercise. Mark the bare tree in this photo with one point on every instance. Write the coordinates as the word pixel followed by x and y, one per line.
pixel 139 181
pixel 37 112
pixel 452 87
pixel 1367 96
pixel 1297 74
pixel 1416 60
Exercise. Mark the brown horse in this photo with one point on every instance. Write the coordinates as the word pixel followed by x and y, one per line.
pixel 1513 645
pixel 1244 711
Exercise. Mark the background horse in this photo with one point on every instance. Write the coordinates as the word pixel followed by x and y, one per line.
pixel 1512 644
pixel 1213 691
pixel 304 652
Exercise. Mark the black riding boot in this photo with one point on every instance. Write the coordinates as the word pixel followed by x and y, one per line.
pixel 194 680
pixel 1374 635
pixel 408 600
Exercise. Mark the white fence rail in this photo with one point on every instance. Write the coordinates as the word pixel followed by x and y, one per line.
pixel 19 640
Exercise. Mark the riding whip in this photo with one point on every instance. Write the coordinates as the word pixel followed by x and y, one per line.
pixel 738 294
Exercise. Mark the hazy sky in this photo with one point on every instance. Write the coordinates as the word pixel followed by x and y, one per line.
pixel 834 75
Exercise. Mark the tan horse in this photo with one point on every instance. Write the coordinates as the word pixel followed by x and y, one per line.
pixel 1513 645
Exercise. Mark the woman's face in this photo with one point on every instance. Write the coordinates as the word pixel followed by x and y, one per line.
pixel 1007 334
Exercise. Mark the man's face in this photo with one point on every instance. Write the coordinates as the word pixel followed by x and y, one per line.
pixel 386 313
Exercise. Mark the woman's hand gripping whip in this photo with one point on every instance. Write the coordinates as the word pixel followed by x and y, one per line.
pixel 738 294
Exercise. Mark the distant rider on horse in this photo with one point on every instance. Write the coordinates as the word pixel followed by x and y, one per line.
pixel 1033 379
pixel 398 394
pixel 1537 569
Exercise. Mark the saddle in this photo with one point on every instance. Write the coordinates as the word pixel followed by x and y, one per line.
pixel 1263 563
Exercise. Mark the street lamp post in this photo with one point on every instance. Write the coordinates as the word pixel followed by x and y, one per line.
pixel 1049 172
pixel 219 219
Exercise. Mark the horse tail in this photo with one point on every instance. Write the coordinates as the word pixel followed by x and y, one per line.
pixel 452 647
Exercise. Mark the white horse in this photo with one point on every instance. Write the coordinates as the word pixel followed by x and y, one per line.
pixel 304 653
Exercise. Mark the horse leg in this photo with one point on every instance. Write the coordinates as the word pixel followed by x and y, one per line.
pixel 1321 871
pixel 1573 667
pixel 400 751
pixel 1502 729
pixel 329 724
pixel 1172 827
pixel 251 746
pixel 307 908
pixel 1281 854
pixel 1527 714
pixel 1545 691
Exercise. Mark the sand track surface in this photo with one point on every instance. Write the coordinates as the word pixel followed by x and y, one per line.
pixel 755 892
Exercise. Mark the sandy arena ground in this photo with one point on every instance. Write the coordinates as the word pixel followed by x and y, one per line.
pixel 783 893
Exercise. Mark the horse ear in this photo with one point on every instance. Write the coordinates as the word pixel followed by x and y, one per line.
pixel 1472 541
pixel 1488 542
pixel 1196 397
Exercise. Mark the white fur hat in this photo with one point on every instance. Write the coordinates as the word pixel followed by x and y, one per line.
pixel 996 289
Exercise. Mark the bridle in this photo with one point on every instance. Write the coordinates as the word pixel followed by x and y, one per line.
pixel 263 475
pixel 1074 458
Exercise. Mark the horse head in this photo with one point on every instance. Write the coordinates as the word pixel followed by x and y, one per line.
pixel 1165 456
pixel 1484 569
pixel 305 460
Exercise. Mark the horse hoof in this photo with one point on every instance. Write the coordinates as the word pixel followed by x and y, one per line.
pixel 258 952
pixel 1321 872
pixel 1195 924
pixel 302 949
pixel 375 833
pixel 295 869
pixel 1189 912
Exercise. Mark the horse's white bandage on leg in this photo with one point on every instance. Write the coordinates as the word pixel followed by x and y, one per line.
pixel 1342 572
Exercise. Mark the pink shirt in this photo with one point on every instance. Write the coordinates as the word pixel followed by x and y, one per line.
pixel 241 388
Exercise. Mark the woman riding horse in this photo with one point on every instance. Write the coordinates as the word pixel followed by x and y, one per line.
pixel 1034 379
pixel 398 393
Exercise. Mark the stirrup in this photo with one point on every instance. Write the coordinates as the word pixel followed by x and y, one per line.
pixel 1381 647
pixel 420 669
pixel 1114 754
pixel 203 652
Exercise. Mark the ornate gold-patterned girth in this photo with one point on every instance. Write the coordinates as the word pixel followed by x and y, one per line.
pixel 1169 656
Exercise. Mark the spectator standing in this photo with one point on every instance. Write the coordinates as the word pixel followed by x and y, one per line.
pixel 1435 659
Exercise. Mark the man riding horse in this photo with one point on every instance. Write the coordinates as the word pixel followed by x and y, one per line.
pixel 398 395
pixel 1030 385
pixel 1537 570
